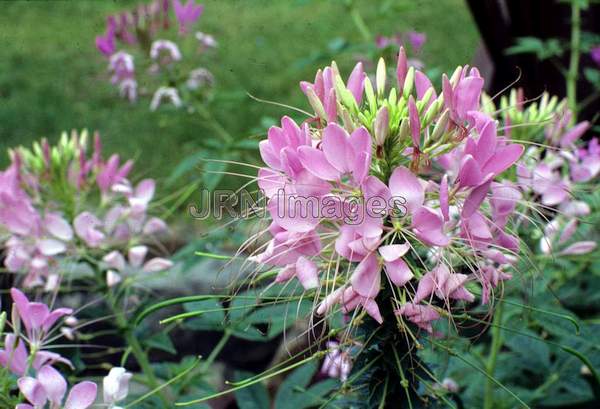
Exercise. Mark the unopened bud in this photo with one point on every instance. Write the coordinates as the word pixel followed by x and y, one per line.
pixel 381 126
pixel 371 100
pixel 15 320
pixel 380 77
pixel 408 82
pixel 315 103
pixel 2 322
pixel 440 126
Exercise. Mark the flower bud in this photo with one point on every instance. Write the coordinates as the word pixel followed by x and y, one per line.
pixel 440 126
pixel 315 103
pixel 2 321
pixel 380 77
pixel 408 82
pixel 381 126
pixel 370 95
pixel 15 320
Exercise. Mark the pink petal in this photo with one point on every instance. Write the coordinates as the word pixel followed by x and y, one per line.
pixel 366 278
pixel 398 272
pixel 51 247
pixel 574 133
pixel 55 316
pixel 22 304
pixel 157 264
pixel 115 260
pixel 268 155
pixel 503 159
pixel 307 273
pixel 58 227
pixel 337 148
pixel 581 247
pixel 33 391
pixel 405 185
pixel 393 252
pixel 82 395
pixel 54 384
pixel 137 255
pixel 422 84
pixel 154 226
pixel 270 182
pixel 356 82
pixel 401 68
pixel 38 313
pixel 315 162
pixel 469 173
pixel 466 95
pixel 475 199
pixel 428 226
pixel 286 273
pixel 372 309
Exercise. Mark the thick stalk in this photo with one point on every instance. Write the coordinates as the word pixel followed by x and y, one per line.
pixel 574 60
pixel 490 368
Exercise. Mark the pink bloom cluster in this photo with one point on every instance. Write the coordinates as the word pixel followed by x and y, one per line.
pixel 57 203
pixel 48 386
pixel 435 157
pixel 551 177
pixel 140 27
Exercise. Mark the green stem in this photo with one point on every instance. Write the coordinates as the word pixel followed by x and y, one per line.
pixel 574 60
pixel 216 350
pixel 490 367
pixel 136 349
pixel 214 124
pixel 360 24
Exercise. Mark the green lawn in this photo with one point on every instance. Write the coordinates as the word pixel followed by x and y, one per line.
pixel 52 78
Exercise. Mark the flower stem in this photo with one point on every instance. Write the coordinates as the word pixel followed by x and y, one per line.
pixel 136 349
pixel 216 350
pixel 490 367
pixel 212 122
pixel 574 60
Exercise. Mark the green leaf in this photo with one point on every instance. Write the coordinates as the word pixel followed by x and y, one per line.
pixel 212 320
pixel 213 173
pixel 186 165
pixel 288 397
pixel 160 341
pixel 533 45
pixel 253 397
pixel 532 351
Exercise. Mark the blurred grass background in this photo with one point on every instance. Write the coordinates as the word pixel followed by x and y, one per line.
pixel 52 78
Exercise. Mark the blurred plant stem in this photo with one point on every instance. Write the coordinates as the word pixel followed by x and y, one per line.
pixel 213 123
pixel 359 22
pixel 574 60
pixel 136 348
pixel 490 366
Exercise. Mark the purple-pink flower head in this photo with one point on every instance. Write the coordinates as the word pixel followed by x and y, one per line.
pixel 380 176
pixel 595 54
pixel 416 40
pixel 187 14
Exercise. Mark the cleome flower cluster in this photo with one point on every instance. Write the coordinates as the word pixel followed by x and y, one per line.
pixel 140 55
pixel 61 204
pixel 438 153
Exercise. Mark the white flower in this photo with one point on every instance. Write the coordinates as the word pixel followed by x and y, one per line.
pixel 168 93
pixel 199 77
pixel 116 386
pixel 206 40
pixel 169 47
